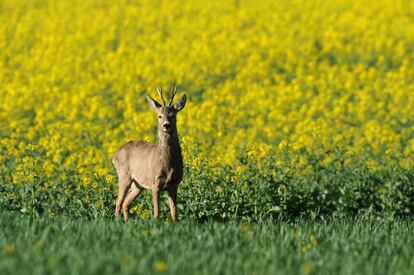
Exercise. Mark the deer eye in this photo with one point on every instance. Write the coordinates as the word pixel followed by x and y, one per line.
pixel 159 116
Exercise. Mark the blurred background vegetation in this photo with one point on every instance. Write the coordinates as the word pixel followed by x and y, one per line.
pixel 295 107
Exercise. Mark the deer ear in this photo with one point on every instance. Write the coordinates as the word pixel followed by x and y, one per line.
pixel 179 105
pixel 154 104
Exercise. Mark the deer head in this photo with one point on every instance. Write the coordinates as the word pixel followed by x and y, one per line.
pixel 167 112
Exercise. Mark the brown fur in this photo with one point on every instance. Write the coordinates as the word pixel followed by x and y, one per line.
pixel 159 167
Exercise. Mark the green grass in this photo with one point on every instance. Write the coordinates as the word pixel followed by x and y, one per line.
pixel 73 246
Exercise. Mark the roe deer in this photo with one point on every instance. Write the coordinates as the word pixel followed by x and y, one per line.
pixel 141 165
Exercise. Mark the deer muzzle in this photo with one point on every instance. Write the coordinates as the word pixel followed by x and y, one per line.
pixel 166 126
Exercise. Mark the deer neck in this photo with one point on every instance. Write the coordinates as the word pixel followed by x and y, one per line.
pixel 169 146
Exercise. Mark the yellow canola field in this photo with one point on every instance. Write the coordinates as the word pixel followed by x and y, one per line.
pixel 330 81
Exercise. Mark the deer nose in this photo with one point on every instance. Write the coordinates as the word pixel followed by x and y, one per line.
pixel 167 125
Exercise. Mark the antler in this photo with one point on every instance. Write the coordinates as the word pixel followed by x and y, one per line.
pixel 159 90
pixel 173 92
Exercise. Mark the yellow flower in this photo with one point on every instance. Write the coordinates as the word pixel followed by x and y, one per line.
pixel 9 248
pixel 313 240
pixel 283 145
pixel 160 266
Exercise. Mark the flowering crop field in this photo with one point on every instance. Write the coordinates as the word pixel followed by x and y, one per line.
pixel 295 109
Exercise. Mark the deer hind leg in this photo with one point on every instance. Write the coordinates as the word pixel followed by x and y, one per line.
pixel 124 183
pixel 133 192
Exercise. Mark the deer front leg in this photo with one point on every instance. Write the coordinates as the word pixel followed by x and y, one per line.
pixel 156 202
pixel 172 200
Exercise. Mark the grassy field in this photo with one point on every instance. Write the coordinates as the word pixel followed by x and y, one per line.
pixel 76 246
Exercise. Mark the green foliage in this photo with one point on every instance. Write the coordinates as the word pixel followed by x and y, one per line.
pixel 263 193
